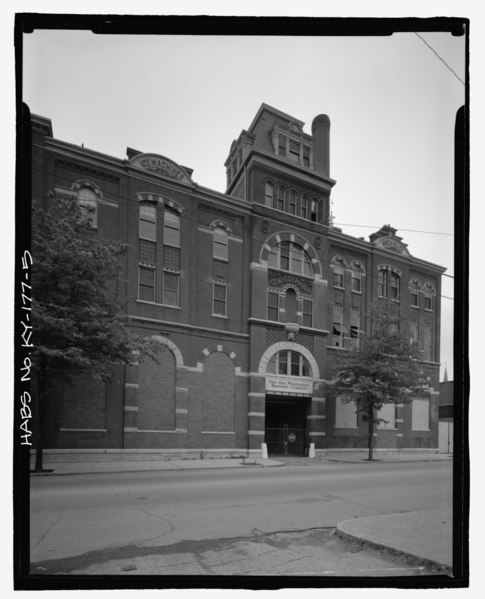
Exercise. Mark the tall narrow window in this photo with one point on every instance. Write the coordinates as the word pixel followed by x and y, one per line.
pixel 281 146
pixel 268 194
pixel 304 207
pixel 273 306
pixel 314 210
pixel 290 305
pixel 283 362
pixel 414 332
pixel 147 224
pixel 395 286
pixel 220 299
pixel 338 328
pixel 355 329
pixel 294 151
pixel 413 289
pixel 280 204
pixel 307 313
pixel 220 248
pixel 146 284
pixel 338 276
pixel 306 156
pixel 171 288
pixel 428 342
pixel 285 255
pixel 292 205
pixel 382 279
pixel 356 278
pixel 171 229
pixel 420 415
pixel 89 205
pixel 428 301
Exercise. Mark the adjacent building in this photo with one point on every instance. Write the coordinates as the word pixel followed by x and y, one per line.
pixel 252 293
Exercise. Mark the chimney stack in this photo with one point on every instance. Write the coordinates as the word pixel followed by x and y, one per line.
pixel 321 144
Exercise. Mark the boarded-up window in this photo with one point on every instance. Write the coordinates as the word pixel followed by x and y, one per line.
pixel 420 415
pixel 84 404
pixel 388 413
pixel 345 414
pixel 156 393
pixel 217 393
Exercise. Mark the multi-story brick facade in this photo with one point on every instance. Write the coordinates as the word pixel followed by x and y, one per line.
pixel 253 295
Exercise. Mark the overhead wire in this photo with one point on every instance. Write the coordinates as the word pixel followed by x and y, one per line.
pixel 442 59
pixel 128 200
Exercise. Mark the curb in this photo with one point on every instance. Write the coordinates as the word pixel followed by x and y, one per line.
pixel 429 563
pixel 53 472
pixel 381 461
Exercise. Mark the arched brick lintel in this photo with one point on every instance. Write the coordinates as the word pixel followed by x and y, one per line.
pixel 295 238
pixel 288 345
pixel 172 347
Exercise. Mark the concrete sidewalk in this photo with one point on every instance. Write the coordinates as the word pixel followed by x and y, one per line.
pixel 358 456
pixel 90 463
pixel 427 535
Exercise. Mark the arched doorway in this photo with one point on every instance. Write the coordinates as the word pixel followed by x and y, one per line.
pixel 290 370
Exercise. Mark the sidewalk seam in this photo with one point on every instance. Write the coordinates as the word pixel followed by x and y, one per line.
pixel 375 545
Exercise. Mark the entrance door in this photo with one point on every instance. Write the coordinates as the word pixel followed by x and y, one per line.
pixel 285 425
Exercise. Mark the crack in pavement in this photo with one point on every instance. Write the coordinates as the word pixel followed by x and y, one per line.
pixel 212 556
pixel 134 550
pixel 47 531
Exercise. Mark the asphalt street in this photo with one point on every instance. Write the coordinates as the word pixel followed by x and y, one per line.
pixel 79 514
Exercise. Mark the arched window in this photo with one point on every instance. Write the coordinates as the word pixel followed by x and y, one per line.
pixel 280 202
pixel 414 291
pixel 395 288
pixel 388 283
pixel 147 224
pixel 314 210
pixel 292 257
pixel 88 203
pixel 428 296
pixel 304 207
pixel 268 194
pixel 356 277
pixel 171 228
pixel 338 266
pixel 382 281
pixel 289 363
pixel 292 203
pixel 220 245
pixel 290 305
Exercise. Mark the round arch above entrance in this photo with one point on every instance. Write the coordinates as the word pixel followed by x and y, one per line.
pixel 288 345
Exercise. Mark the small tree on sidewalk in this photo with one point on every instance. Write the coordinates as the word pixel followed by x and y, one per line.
pixel 80 326
pixel 384 369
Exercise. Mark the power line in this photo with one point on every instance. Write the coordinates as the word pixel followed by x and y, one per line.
pixel 126 200
pixel 442 60
pixel 406 230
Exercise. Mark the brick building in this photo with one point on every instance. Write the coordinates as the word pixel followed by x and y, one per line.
pixel 253 294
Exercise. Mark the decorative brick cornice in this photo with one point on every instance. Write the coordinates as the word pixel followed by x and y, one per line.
pixel 351 251
pixel 80 168
pixel 220 211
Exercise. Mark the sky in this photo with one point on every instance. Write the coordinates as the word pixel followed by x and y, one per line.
pixel 391 102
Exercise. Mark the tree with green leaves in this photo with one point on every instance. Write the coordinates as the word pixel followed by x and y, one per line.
pixel 384 369
pixel 80 325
